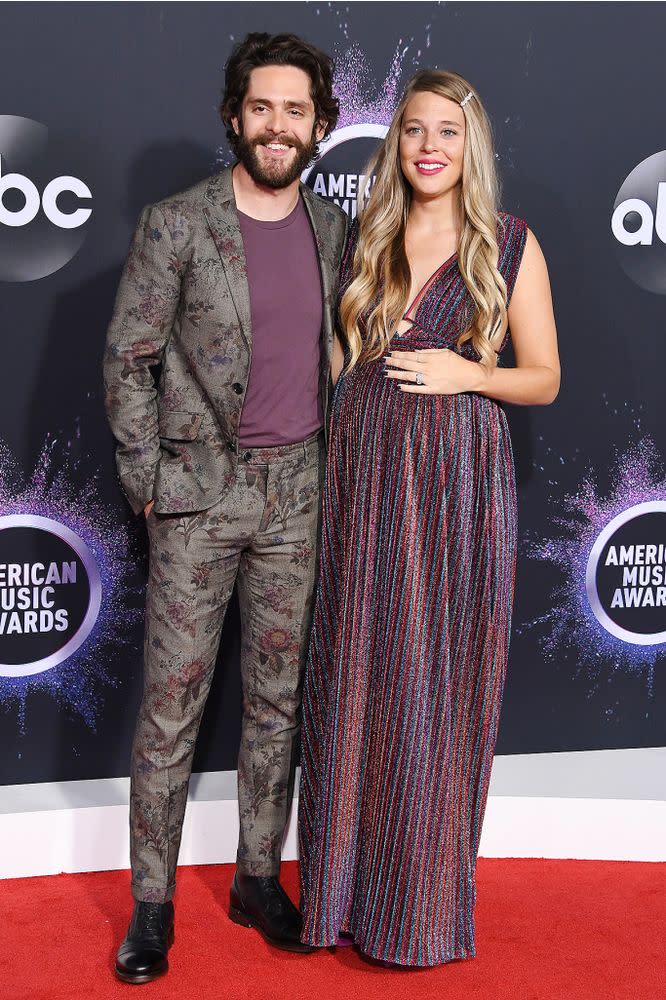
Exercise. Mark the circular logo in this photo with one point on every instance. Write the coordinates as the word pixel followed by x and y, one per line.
pixel 626 575
pixel 337 174
pixel 638 224
pixel 43 208
pixel 50 594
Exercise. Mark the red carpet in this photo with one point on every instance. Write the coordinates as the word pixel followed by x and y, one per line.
pixel 546 930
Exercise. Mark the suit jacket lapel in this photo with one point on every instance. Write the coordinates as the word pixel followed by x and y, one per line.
pixel 222 219
pixel 316 209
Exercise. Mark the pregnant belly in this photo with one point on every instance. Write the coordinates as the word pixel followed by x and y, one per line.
pixel 366 403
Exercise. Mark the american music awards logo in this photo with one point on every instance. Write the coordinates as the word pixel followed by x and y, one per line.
pixel 608 547
pixel 66 601
pixel 366 110
pixel 50 593
pixel 336 174
pixel 625 575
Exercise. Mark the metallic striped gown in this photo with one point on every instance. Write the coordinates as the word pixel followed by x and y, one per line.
pixel 409 648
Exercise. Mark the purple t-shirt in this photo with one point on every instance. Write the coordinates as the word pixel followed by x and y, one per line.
pixel 282 403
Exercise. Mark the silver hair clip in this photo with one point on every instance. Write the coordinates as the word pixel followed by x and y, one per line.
pixel 466 99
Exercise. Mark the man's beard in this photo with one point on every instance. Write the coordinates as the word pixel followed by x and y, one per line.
pixel 275 174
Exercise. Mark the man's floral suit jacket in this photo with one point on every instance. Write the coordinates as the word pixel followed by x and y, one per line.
pixel 183 303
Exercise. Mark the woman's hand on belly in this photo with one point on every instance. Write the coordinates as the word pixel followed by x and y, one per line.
pixel 433 372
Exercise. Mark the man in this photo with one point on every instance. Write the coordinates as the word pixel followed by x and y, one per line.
pixel 230 287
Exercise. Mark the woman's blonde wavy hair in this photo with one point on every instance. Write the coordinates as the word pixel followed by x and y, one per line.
pixel 377 297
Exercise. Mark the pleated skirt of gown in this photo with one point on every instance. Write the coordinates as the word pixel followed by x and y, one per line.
pixel 406 668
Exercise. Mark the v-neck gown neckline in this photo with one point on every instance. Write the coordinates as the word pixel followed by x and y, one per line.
pixel 423 290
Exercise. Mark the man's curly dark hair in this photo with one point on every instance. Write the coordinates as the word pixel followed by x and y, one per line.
pixel 261 49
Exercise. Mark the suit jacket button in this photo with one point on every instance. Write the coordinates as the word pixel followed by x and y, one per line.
pixel 238 388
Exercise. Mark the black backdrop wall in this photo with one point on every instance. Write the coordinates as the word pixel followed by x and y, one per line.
pixel 120 99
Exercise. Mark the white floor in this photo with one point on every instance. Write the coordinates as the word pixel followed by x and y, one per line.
pixel 606 804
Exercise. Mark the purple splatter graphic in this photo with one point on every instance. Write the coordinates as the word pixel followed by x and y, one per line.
pixel 361 100
pixel 57 489
pixel 637 476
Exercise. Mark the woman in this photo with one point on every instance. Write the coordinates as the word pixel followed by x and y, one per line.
pixel 411 626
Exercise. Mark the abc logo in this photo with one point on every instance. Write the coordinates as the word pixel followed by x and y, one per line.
pixel 638 224
pixel 42 220
pixel 25 215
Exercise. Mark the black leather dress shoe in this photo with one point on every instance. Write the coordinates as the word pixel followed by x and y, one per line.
pixel 263 904
pixel 142 956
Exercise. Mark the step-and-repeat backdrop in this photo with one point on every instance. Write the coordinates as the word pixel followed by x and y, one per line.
pixel 106 107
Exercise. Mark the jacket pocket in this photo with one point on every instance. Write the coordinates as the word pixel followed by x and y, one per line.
pixel 179 425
